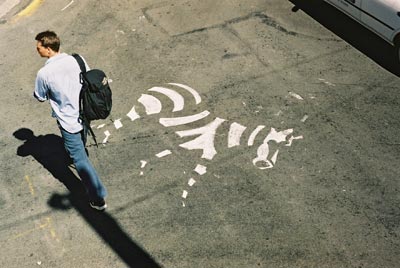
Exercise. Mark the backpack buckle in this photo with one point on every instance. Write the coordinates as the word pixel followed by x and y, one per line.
pixel 81 78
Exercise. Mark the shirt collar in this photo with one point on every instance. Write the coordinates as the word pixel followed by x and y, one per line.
pixel 56 57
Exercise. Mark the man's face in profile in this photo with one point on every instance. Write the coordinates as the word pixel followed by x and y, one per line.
pixel 43 51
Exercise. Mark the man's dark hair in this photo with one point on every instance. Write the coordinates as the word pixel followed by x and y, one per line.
pixel 49 39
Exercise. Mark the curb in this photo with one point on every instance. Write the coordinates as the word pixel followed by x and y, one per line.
pixel 12 9
pixel 30 8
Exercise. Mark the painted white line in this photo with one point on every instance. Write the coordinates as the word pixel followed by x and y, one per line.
pixel 263 149
pixel 101 126
pixel 195 94
pixel 184 194
pixel 326 82
pixel 293 138
pixel 70 3
pixel 150 103
pixel 235 132
pixel 177 121
pixel 206 139
pixel 274 157
pixel 191 182
pixel 163 153
pixel 177 98
pixel 118 124
pixel 305 117
pixel 262 154
pixel 107 133
pixel 253 135
pixel 133 115
pixel 200 169
pixel 297 96
pixel 279 137
pixel 143 163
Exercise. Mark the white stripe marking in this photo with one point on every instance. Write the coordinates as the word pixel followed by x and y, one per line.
pixel 263 149
pixel 206 139
pixel 191 182
pixel 293 138
pixel 108 134
pixel 143 163
pixel 235 132
pixel 163 153
pixel 70 3
pixel 133 115
pixel 274 157
pixel 177 98
pixel 195 94
pixel 254 134
pixel 295 95
pixel 118 124
pixel 200 169
pixel 177 121
pixel 150 103
pixel 279 137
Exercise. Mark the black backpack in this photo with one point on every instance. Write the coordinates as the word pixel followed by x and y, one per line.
pixel 95 99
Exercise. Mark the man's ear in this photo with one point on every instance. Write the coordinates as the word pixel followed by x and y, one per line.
pixel 50 52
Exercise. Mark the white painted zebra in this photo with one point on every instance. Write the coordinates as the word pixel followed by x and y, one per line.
pixel 205 134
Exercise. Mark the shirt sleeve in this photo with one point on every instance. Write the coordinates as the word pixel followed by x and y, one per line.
pixel 41 89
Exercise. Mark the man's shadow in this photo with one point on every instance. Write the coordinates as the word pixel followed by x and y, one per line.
pixel 49 151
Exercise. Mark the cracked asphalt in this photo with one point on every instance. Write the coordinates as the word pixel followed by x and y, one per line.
pixel 330 197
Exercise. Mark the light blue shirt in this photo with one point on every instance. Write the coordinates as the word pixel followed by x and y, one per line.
pixel 59 82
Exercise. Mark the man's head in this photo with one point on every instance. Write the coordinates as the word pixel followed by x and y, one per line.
pixel 24 134
pixel 48 44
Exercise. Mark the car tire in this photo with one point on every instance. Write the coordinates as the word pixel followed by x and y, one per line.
pixel 397 48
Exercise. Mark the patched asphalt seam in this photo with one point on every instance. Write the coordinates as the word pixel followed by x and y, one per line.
pixel 264 19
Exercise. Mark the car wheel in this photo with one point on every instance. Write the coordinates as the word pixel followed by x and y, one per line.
pixel 397 47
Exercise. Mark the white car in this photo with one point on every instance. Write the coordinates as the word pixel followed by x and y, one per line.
pixel 380 16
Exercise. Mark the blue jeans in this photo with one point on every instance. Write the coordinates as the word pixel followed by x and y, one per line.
pixel 74 144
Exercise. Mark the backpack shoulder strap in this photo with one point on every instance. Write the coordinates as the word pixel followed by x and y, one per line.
pixel 80 62
pixel 86 123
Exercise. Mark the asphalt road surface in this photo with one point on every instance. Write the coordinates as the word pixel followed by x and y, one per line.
pixel 258 133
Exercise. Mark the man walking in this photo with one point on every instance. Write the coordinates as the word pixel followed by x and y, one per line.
pixel 59 82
